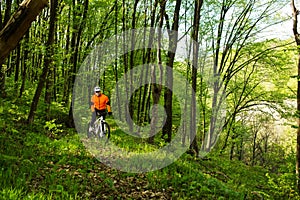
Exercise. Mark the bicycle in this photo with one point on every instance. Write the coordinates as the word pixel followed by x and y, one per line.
pixel 100 129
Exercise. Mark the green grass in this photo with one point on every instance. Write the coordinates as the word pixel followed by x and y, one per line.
pixel 47 160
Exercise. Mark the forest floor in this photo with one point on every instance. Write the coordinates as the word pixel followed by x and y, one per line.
pixel 47 160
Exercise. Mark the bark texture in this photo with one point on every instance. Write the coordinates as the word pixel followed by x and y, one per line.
pixel 18 24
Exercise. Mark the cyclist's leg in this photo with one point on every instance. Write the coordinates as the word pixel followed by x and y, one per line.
pixel 96 114
pixel 93 118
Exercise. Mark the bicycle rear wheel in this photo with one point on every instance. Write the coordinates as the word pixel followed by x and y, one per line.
pixel 91 132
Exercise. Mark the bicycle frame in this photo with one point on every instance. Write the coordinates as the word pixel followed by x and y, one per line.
pixel 99 125
pixel 100 128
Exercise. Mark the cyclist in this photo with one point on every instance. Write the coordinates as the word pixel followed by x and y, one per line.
pixel 99 104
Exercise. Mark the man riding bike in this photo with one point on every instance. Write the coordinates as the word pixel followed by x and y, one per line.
pixel 99 104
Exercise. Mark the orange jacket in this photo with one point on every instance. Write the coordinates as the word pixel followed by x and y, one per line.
pixel 100 103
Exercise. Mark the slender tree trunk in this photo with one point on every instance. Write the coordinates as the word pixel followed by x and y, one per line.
pixel 254 147
pixel 232 151
pixel 141 106
pixel 131 63
pixel 1 23
pixel 73 58
pixel 24 68
pixel 55 87
pixel 17 65
pixel 167 129
pixel 186 121
pixel 49 60
pixel 125 61
pixel 157 88
pixel 75 44
pixel 47 63
pixel 216 74
pixel 196 24
pixel 49 89
pixel 147 89
pixel 116 61
pixel 297 39
pixel 2 71
pixel 241 146
pixel 67 71
pixel 7 11
pixel 2 82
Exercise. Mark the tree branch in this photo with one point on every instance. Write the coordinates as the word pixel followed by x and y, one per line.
pixel 18 24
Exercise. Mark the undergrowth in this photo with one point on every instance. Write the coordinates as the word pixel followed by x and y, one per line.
pixel 47 160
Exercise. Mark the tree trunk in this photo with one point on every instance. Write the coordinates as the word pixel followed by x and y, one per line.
pixel 7 11
pixel 147 88
pixel 167 129
pixel 254 147
pixel 17 66
pixel 297 39
pixel 195 33
pixel 76 37
pixel 1 23
pixel 125 61
pixel 241 146
pixel 48 60
pixel 67 72
pixel 131 63
pixel 2 82
pixel 24 68
pixel 18 24
pixel 116 60
pixel 157 88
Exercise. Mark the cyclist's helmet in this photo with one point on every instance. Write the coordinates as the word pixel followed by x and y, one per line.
pixel 97 89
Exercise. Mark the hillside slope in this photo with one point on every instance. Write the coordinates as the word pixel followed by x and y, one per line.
pixel 47 160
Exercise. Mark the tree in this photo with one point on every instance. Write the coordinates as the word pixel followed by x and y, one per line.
pixel 75 44
pixel 195 34
pixel 47 63
pixel 297 39
pixel 173 37
pixel 157 88
pixel 18 24
pixel 15 28
pixel 235 28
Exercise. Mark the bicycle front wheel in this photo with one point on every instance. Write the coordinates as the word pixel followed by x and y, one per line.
pixel 106 130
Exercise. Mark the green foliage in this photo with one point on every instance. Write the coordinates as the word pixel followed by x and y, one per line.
pixel 188 181
pixel 53 127
pixel 280 187
pixel 48 161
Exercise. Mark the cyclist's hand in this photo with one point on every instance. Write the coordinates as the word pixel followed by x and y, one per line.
pixel 109 113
